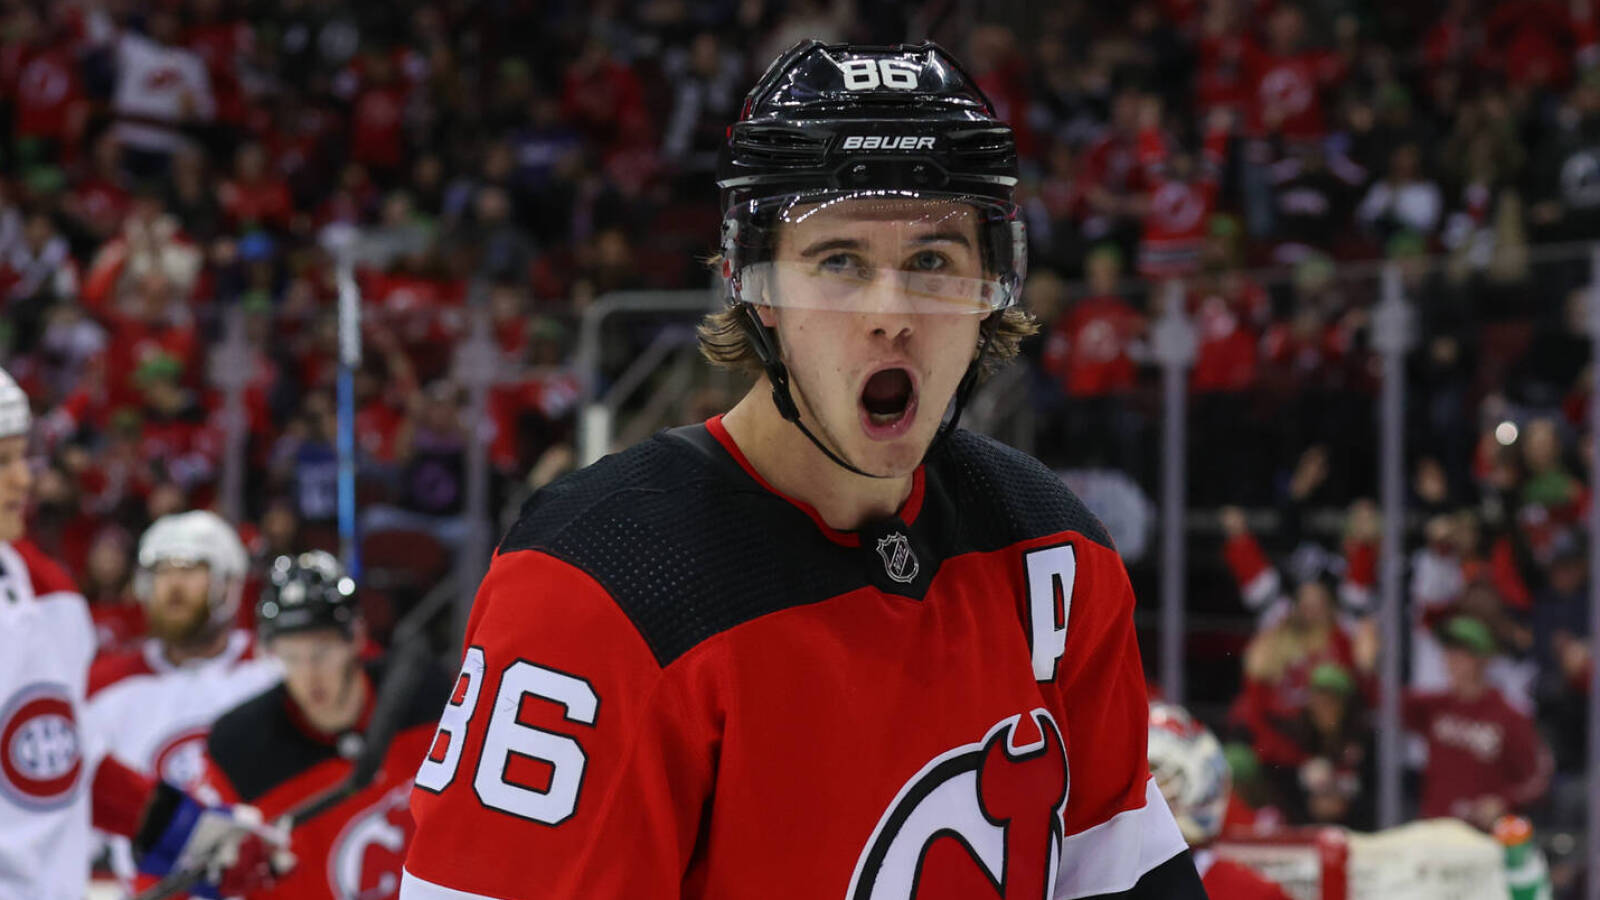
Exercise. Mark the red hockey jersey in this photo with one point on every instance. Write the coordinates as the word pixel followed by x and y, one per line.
pixel 679 683
pixel 263 753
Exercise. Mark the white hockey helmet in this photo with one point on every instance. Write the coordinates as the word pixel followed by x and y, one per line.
pixel 1189 767
pixel 197 537
pixel 15 416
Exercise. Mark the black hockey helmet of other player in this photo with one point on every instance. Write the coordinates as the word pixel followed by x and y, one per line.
pixel 305 592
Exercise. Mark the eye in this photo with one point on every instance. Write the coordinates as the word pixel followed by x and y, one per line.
pixel 928 261
pixel 841 264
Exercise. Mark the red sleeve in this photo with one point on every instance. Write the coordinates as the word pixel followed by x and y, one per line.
pixel 49 577
pixel 119 796
pixel 1527 760
pixel 565 748
pixel 114 667
pixel 1114 813
pixel 1360 574
pixel 1258 581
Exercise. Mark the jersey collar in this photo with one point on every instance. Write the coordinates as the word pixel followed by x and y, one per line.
pixel 907 513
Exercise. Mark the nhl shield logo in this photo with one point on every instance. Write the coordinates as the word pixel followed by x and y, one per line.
pixel 898 561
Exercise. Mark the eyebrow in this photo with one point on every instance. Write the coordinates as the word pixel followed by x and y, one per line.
pixel 934 237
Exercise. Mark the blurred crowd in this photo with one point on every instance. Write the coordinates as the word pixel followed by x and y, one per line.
pixel 175 176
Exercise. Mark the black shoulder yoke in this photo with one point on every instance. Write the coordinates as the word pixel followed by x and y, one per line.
pixel 689 545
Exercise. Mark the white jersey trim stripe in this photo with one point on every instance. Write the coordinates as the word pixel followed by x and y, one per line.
pixel 414 888
pixel 1111 857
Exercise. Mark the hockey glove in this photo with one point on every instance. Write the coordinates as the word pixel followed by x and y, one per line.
pixel 228 847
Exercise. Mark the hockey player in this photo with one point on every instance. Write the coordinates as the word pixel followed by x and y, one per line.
pixel 822 646
pixel 154 705
pixel 1188 764
pixel 297 739
pixel 55 774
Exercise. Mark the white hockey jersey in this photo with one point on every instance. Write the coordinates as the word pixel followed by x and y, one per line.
pixel 155 715
pixel 47 756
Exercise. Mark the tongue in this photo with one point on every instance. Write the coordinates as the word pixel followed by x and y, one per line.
pixel 887 392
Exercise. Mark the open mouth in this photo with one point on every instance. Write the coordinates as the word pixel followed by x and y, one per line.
pixel 888 400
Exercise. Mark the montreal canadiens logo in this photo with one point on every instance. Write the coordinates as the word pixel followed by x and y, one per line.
pixel 365 861
pixel 40 759
pixel 182 759
pixel 981 821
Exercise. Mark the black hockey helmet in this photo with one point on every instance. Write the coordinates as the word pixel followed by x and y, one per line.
pixel 876 127
pixel 305 592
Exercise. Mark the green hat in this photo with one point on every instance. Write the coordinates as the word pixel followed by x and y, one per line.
pixel 1108 251
pixel 1469 634
pixel 157 366
pixel 1242 761
pixel 1314 272
pixel 1223 225
pixel 1332 677
pixel 1406 244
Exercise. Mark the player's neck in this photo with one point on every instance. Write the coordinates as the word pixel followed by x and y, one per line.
pixel 797 469
pixel 200 648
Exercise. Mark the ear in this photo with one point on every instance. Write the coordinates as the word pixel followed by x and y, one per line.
pixel 767 314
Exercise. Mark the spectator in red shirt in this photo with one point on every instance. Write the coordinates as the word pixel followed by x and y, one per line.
pixel 378 118
pixel 254 197
pixel 150 321
pixel 1223 78
pixel 1485 759
pixel 1290 80
pixel 96 203
pixel 177 439
pixel 1092 349
pixel 1181 194
pixel 603 98
pixel 1110 175
pixel 222 43
pixel 39 72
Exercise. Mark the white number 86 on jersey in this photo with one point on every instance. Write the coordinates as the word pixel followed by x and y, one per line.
pixel 508 738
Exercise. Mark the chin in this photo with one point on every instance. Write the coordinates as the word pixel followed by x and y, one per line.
pixel 895 459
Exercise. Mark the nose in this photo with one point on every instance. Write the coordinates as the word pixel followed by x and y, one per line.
pixel 889 310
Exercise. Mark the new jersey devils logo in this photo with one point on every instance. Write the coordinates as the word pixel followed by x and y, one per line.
pixel 365 861
pixel 979 821
pixel 39 755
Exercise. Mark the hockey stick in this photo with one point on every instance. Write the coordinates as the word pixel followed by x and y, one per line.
pixel 408 662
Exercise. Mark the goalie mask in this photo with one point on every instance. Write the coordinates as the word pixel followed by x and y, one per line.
pixel 898 135
pixel 192 539
pixel 1190 769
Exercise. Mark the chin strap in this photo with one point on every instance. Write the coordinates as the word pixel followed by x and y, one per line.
pixel 783 399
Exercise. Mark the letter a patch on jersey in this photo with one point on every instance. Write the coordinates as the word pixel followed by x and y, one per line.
pixel 980 821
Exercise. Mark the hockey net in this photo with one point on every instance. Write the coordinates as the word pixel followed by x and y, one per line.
pixel 1439 859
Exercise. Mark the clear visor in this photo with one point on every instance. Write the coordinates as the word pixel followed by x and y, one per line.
pixel 922 254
